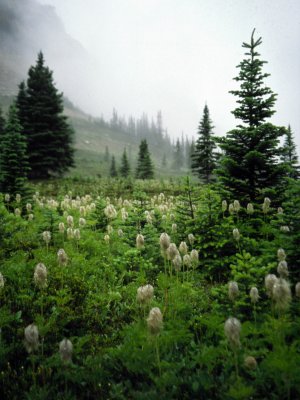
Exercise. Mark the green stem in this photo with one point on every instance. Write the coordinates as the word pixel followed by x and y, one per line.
pixel 157 355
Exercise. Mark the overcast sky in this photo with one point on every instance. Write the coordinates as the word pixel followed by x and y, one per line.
pixel 175 55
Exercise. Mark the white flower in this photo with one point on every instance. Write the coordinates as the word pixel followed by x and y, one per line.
pixel 155 321
pixel 66 350
pixel 31 341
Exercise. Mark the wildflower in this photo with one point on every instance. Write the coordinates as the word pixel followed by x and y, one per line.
pixel 250 209
pixel 281 255
pixel 110 211
pixel 109 229
pixel 191 238
pixel 1 281
pixel 30 217
pixel 17 212
pixel 224 205
pixel 266 205
pixel 106 239
pixel 70 221
pixel 18 198
pixel 284 228
pixel 61 227
pixel 177 262
pixel 297 289
pixel 232 330
pixel 82 222
pixel 40 275
pixel 236 234
pixel 62 257
pixel 66 350
pixel 70 233
pixel 231 209
pixel 31 341
pixel 140 241
pixel 46 236
pixel 28 207
pixel 270 281
pixel 145 294
pixel 280 210
pixel 187 260
pixel 183 248
pixel 149 219
pixel 194 256
pixel 282 294
pixel 254 295
pixel 164 241
pixel 233 290
pixel 120 232
pixel 236 206
pixel 76 234
pixel 155 321
pixel 250 363
pixel 174 228
pixel 7 197
pixel 172 251
pixel 282 269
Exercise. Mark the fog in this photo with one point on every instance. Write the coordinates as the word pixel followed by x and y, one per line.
pixel 175 56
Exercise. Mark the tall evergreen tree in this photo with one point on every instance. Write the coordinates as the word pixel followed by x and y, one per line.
pixel 13 156
pixel 144 168
pixel 2 131
pixel 49 136
pixel 178 155
pixel 113 169
pixel 290 156
pixel 125 167
pixel 204 157
pixel 250 167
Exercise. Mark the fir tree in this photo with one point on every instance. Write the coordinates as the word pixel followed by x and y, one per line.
pixel 204 158
pixel 125 167
pixel 249 167
pixel 144 168
pixel 49 136
pixel 113 169
pixel 13 157
pixel 290 156
pixel 106 154
pixel 178 155
pixel 2 131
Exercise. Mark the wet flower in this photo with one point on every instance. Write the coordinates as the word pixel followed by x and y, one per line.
pixel 282 269
pixel 18 198
pixel 280 210
pixel 17 212
pixel 233 290
pixel 172 251
pixel 28 207
pixel 7 197
pixel 232 330
pixel 250 209
pixel 231 209
pixel 62 257
pixel 106 239
pixel 145 294
pixel 140 241
pixel 254 295
pixel 174 228
pixel 177 262
pixel 281 255
pixel 110 211
pixel 66 350
pixel 31 341
pixel 236 206
pixel 164 241
pixel 282 294
pixel 284 228
pixel 236 234
pixel 120 232
pixel 77 234
pixel 224 205
pixel 46 236
pixel 266 205
pixel 40 275
pixel 250 363
pixel 70 233
pixel 183 248
pixel 194 256
pixel 82 222
pixel 155 321
pixel 30 217
pixel 70 221
pixel 270 281
pixel 191 239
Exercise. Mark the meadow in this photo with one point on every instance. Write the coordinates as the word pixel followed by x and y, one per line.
pixel 114 289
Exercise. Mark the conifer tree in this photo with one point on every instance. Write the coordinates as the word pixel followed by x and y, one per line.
pixel 125 167
pixel 250 166
pixel 2 131
pixel 13 156
pixel 204 157
pixel 113 169
pixel 144 168
pixel 49 136
pixel 178 155
pixel 290 156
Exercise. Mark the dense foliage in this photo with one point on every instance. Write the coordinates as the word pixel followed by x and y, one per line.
pixel 49 136
pixel 144 168
pixel 126 312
